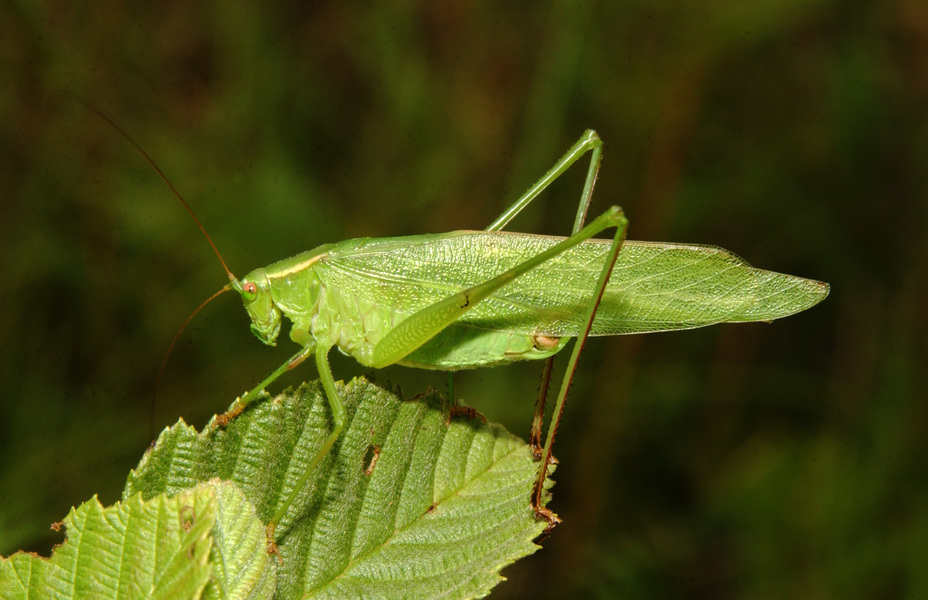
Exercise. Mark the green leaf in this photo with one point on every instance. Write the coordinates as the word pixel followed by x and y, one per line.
pixel 161 548
pixel 441 510
pixel 242 568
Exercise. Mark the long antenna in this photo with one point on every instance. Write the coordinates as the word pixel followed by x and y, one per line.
pixel 232 278
pixel 163 177
pixel 164 361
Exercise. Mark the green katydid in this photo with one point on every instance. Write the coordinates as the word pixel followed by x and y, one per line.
pixel 469 299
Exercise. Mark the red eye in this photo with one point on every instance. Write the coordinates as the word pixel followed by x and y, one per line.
pixel 249 291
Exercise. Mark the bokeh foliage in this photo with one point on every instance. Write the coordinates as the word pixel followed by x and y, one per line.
pixel 737 461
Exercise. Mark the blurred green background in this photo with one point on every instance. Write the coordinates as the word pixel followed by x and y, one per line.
pixel 761 461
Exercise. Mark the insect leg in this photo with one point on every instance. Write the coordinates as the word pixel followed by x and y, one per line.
pixel 538 417
pixel 587 142
pixel 242 402
pixel 585 198
pixel 538 491
pixel 338 423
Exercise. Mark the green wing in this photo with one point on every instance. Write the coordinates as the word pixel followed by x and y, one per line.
pixel 654 287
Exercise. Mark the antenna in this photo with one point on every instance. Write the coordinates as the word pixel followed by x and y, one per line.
pixel 232 278
pixel 164 361
pixel 163 177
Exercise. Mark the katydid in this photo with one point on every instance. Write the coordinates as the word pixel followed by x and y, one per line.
pixel 469 299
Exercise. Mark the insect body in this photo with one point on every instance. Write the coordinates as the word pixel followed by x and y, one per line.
pixel 351 294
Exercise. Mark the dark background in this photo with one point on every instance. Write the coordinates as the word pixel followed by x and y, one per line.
pixel 762 461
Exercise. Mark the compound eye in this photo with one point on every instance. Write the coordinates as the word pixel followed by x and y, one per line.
pixel 249 291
